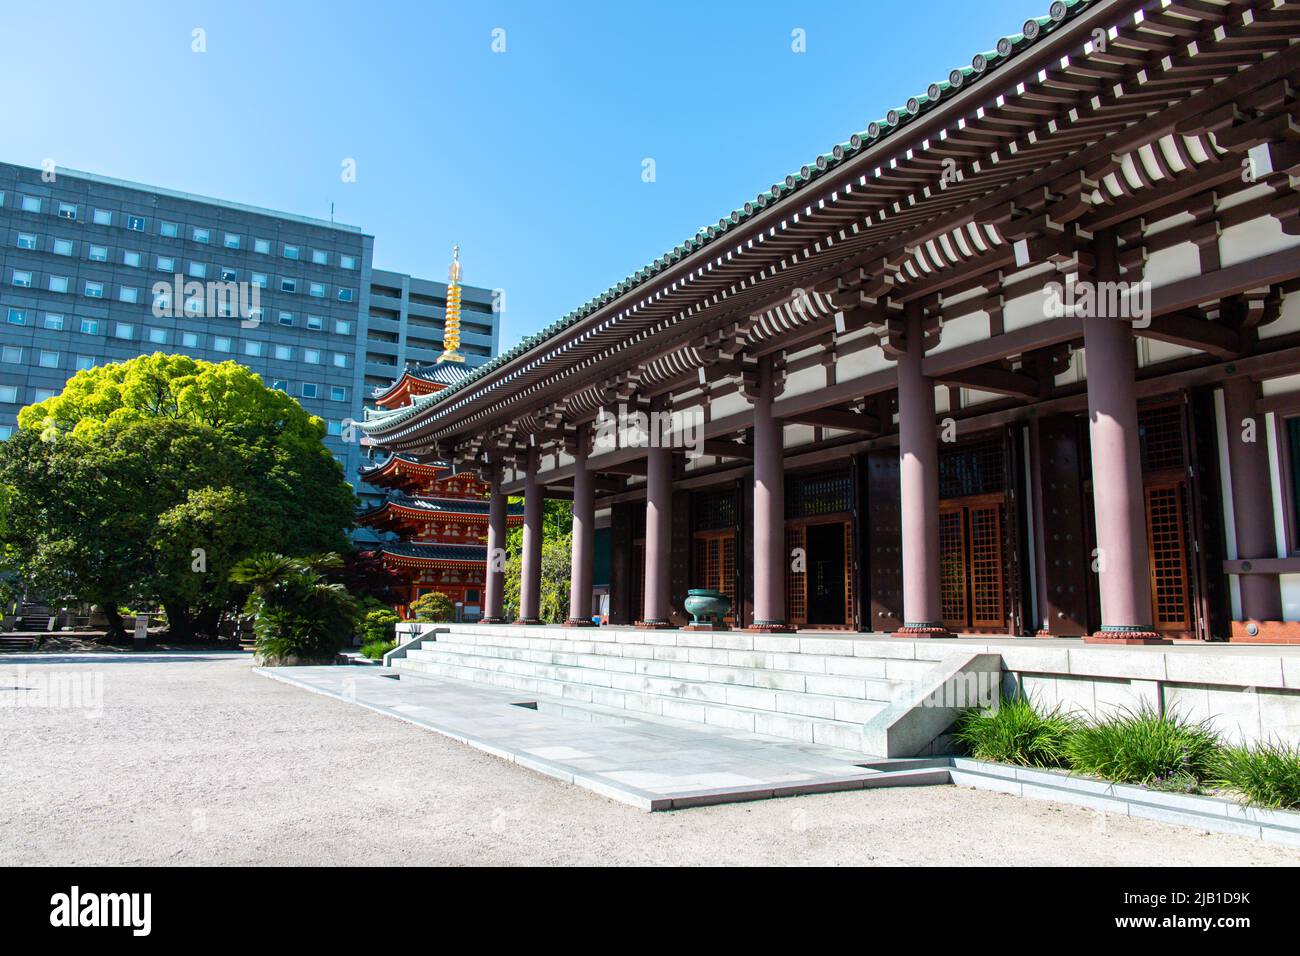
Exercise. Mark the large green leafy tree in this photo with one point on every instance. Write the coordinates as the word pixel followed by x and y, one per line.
pixel 150 479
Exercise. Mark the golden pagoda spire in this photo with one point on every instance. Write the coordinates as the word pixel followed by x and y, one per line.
pixel 451 324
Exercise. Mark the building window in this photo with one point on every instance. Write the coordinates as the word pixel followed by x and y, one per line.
pixel 194 306
pixel 253 349
pixel 320 257
pixel 131 259
pixel 98 254
pixel 8 393
pixel 230 241
pixel 59 284
pixel 90 326
pixel 343 326
pixel 62 247
pixel 284 353
pixel 11 354
pixel 311 356
pixel 26 240
pixel 21 279
pixel 190 340
pixel 345 295
pixel 221 343
pixel 169 230
pixel 258 279
pixel 6 431
pixel 31 204
pixel 43 394
pixel 124 330
pixel 201 235
pixel 94 289
pixel 17 316
pixel 158 336
pixel 128 294
pixel 286 318
pixel 281 385
pixel 84 362
pixel 67 210
pixel 49 359
pixel 53 322
pixel 165 264
pixel 340 360
pixel 262 245
pixel 162 303
pixel 338 393
pixel 198 270
pixel 347 262
pixel 256 316
pixel 288 285
pixel 292 252
pixel 228 274
pixel 135 223
pixel 315 322
pixel 309 390
pixel 102 217
pixel 333 428
pixel 316 289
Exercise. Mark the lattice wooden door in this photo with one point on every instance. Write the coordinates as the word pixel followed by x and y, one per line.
pixel 1166 540
pixel 796 581
pixel 986 587
pixel 715 565
pixel 953 594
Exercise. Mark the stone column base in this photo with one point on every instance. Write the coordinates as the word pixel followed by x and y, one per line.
pixel 770 627
pixel 705 626
pixel 1119 634
pixel 656 624
pixel 530 621
pixel 579 622
pixel 923 629
pixel 493 620
pixel 1265 632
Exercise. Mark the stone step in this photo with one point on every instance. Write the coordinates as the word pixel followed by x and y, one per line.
pixel 865 659
pixel 625 671
pixel 734 711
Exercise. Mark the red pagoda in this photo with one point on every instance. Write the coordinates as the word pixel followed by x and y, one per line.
pixel 439 516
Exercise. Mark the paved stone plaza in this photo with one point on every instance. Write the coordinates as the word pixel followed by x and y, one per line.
pixel 192 759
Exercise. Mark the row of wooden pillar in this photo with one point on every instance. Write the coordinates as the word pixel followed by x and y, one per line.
pixel 1121 559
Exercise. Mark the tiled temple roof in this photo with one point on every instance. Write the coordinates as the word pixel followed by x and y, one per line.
pixel 982 65
pixel 474 553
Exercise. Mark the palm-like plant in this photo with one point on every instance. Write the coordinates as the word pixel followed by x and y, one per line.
pixel 298 615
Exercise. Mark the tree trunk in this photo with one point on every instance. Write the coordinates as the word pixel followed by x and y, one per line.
pixel 116 629
pixel 207 622
pixel 180 623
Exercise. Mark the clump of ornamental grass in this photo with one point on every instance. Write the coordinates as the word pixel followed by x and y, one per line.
pixel 1266 774
pixel 1144 747
pixel 1015 732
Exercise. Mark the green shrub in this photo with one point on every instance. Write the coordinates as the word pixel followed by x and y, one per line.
pixel 378 626
pixel 1143 747
pixel 298 616
pixel 434 606
pixel 375 650
pixel 1016 733
pixel 1267 774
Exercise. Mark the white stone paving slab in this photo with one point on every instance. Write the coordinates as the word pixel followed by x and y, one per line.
pixel 651 764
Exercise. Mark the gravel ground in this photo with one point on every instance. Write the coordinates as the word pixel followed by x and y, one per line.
pixel 194 759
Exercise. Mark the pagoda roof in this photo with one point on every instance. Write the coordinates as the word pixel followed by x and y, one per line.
pixel 785 193
pixel 396 464
pixel 415 553
pixel 422 380
pixel 440 505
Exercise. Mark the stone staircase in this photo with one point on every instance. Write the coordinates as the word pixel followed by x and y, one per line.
pixel 873 697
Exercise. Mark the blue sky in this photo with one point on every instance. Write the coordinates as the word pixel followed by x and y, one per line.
pixel 531 158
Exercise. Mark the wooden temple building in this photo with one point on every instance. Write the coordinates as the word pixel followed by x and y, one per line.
pixel 438 516
pixel 1022 356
